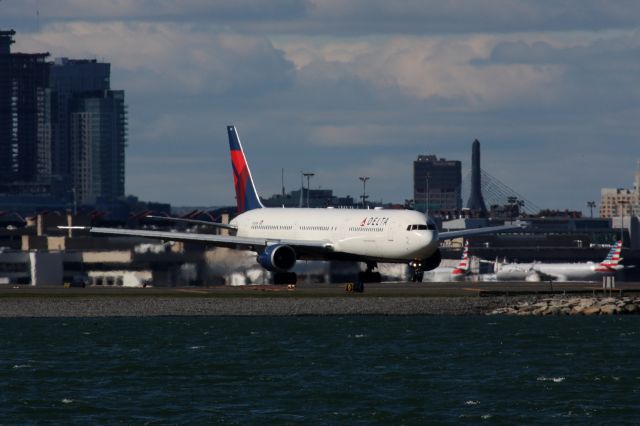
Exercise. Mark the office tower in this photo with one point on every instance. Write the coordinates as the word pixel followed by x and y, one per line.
pixel 437 182
pixel 24 127
pixel 476 201
pixel 97 141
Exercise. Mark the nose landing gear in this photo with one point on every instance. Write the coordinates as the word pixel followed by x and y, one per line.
pixel 417 273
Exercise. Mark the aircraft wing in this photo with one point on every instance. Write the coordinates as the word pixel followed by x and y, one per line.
pixel 448 235
pixel 192 221
pixel 253 244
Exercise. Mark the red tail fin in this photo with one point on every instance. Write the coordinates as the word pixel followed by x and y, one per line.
pixel 246 194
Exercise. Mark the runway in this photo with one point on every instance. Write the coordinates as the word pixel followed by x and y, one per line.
pixel 460 298
pixel 385 289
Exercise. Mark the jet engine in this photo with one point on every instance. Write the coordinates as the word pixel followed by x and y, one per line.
pixel 277 257
pixel 432 262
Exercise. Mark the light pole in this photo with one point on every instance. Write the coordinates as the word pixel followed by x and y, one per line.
pixel 427 178
pixel 511 200
pixel 621 204
pixel 308 176
pixel 75 202
pixel 364 180
pixel 591 205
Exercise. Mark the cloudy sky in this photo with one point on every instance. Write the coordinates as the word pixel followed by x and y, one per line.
pixel 347 88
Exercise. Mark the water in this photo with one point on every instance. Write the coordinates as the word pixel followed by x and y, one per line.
pixel 320 370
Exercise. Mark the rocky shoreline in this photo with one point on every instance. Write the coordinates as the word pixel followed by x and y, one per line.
pixel 145 306
pixel 573 306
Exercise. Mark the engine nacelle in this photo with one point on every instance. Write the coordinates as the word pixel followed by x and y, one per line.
pixel 432 262
pixel 277 257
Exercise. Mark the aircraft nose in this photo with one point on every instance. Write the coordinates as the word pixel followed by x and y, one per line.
pixel 428 242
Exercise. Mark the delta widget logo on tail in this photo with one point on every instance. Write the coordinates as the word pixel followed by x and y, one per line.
pixel 246 194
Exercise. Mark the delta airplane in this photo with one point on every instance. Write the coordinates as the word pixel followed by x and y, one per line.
pixel 588 271
pixel 282 236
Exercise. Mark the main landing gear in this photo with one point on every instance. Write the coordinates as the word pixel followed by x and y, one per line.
pixel 417 273
pixel 285 278
pixel 368 276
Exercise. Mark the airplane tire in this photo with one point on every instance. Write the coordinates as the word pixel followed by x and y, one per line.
pixel 417 276
pixel 369 277
pixel 285 278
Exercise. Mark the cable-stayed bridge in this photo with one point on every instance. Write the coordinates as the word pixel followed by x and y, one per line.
pixel 497 192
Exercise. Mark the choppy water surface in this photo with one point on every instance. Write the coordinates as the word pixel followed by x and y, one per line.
pixel 322 370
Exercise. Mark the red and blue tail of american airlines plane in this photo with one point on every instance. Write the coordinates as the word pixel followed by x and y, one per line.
pixel 463 266
pixel 246 194
pixel 612 262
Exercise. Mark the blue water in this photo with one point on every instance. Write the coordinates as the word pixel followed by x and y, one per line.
pixel 320 370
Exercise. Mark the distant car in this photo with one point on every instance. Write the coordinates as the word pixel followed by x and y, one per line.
pixel 80 281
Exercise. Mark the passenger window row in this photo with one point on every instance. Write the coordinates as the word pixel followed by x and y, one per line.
pixel 358 229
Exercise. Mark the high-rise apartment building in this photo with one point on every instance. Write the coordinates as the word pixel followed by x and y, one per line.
pixel 621 201
pixel 24 107
pixel 437 182
pixel 69 79
pixel 62 130
pixel 98 137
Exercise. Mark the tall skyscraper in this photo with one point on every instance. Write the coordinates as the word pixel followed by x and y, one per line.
pixel 438 183
pixel 24 106
pixel 98 139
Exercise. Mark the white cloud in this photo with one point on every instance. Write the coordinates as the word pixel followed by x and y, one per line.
pixel 169 58
pixel 426 67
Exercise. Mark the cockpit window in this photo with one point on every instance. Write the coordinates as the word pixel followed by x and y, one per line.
pixel 420 227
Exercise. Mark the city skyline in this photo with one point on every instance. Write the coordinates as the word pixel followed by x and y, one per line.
pixel 344 90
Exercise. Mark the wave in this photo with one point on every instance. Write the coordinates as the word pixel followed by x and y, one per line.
pixel 550 379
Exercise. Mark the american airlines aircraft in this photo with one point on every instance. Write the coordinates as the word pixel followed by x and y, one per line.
pixel 457 273
pixel 588 271
pixel 282 236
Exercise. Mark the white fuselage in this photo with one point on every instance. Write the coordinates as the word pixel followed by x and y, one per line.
pixel 374 235
pixel 445 274
pixel 545 271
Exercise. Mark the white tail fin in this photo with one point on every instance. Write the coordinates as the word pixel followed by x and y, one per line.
pixel 612 261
